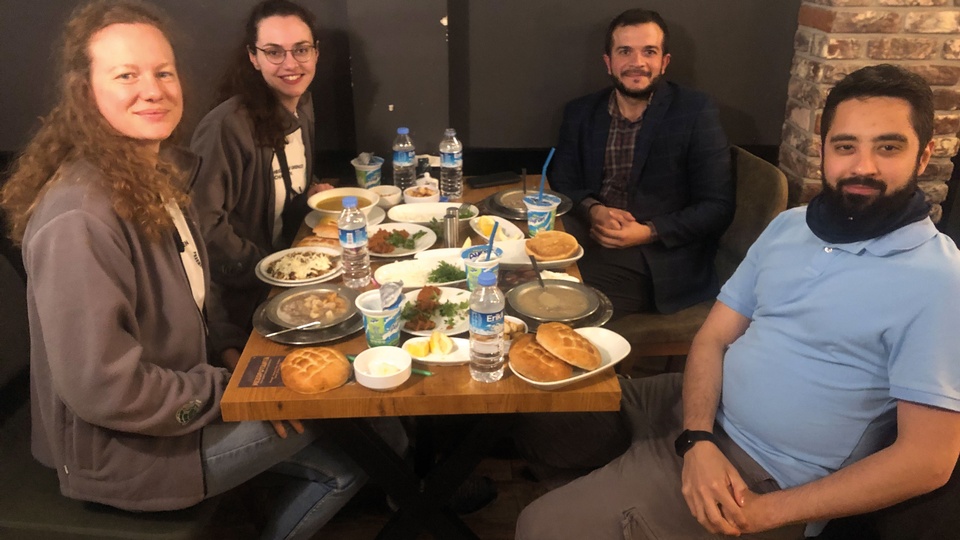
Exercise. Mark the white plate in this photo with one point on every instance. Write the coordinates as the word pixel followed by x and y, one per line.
pixel 375 217
pixel 335 270
pixel 612 346
pixel 423 243
pixel 447 254
pixel 459 356
pixel 508 230
pixel 414 273
pixel 515 256
pixel 422 213
pixel 506 342
pixel 446 294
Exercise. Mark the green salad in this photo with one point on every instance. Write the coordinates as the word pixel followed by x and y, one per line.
pixel 446 273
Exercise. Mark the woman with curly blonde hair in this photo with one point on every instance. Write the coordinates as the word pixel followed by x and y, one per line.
pixel 125 404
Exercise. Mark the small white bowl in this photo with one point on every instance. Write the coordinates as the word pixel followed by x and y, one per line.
pixel 382 368
pixel 508 342
pixel 370 196
pixel 390 196
pixel 412 194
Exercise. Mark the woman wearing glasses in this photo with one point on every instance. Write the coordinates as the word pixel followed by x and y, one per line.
pixel 257 155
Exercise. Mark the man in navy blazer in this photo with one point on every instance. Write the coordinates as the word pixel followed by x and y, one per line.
pixel 647 166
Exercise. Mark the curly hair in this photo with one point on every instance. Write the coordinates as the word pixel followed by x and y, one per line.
pixel 242 79
pixel 75 129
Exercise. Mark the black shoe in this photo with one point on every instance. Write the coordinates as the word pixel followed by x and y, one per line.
pixel 474 493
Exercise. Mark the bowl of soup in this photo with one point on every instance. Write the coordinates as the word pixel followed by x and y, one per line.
pixel 330 202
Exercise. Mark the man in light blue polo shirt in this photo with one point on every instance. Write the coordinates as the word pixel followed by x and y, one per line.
pixel 826 380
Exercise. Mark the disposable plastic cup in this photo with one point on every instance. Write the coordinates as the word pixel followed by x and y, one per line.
pixel 541 215
pixel 382 326
pixel 475 261
pixel 368 176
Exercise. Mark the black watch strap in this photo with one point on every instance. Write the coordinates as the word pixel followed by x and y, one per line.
pixel 688 438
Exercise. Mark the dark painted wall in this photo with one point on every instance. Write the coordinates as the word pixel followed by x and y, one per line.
pixel 500 77
pixel 527 58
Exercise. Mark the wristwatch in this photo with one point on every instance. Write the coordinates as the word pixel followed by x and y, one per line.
pixel 688 438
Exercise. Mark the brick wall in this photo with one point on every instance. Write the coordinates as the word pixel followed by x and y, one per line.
pixel 836 37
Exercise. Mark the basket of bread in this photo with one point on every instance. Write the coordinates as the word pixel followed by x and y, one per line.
pixel 558 355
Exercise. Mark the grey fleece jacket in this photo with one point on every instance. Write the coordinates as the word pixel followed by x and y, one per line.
pixel 233 197
pixel 121 386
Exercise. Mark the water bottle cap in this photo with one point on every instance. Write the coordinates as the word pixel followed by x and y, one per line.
pixel 450 132
pixel 350 201
pixel 487 278
pixel 403 131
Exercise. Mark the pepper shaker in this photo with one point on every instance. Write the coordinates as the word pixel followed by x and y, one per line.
pixel 451 228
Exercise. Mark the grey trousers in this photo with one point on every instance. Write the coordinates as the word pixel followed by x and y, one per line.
pixel 637 495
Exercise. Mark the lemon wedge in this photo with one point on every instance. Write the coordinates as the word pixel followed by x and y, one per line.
pixel 440 343
pixel 419 348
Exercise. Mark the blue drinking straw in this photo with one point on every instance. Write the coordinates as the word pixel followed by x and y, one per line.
pixel 493 234
pixel 543 175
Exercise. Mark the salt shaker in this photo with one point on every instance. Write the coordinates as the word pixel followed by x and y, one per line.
pixel 451 228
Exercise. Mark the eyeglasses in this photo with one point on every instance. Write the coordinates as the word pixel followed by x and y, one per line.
pixel 301 53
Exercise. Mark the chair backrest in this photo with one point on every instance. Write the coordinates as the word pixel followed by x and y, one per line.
pixel 14 333
pixel 761 195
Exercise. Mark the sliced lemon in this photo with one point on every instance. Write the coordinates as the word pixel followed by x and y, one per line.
pixel 440 343
pixel 485 223
pixel 418 348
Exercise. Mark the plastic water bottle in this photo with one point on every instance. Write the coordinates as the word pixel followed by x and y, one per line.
pixel 486 330
pixel 404 160
pixel 451 166
pixel 353 240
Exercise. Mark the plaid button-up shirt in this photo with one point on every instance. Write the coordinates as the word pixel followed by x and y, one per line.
pixel 618 157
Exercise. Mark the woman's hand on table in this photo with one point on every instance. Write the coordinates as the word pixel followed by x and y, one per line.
pixel 282 431
pixel 229 358
pixel 317 188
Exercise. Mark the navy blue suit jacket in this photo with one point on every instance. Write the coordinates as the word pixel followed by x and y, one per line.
pixel 681 181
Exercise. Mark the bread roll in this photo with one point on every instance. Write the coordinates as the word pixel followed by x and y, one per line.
pixel 327 229
pixel 313 240
pixel 530 359
pixel 551 246
pixel 563 342
pixel 314 370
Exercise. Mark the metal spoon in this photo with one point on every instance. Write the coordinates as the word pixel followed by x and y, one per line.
pixel 536 270
pixel 523 176
pixel 301 327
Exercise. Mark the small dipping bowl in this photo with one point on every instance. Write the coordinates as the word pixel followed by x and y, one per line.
pixel 382 368
pixel 515 320
pixel 419 194
pixel 390 196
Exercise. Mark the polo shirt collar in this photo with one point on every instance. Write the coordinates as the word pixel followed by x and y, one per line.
pixel 903 239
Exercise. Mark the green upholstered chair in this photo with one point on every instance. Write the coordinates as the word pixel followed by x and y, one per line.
pixel 761 195
pixel 31 506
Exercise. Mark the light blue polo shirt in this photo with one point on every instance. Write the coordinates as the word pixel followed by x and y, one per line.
pixel 838 334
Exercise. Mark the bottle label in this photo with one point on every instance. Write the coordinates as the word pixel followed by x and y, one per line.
pixel 486 323
pixel 451 159
pixel 403 157
pixel 352 238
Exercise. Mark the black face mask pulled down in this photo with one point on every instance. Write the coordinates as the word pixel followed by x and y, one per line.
pixel 837 220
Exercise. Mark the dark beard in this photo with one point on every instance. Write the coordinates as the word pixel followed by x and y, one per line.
pixel 838 217
pixel 864 208
pixel 643 94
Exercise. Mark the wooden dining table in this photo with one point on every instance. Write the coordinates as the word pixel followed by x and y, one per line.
pixel 255 392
